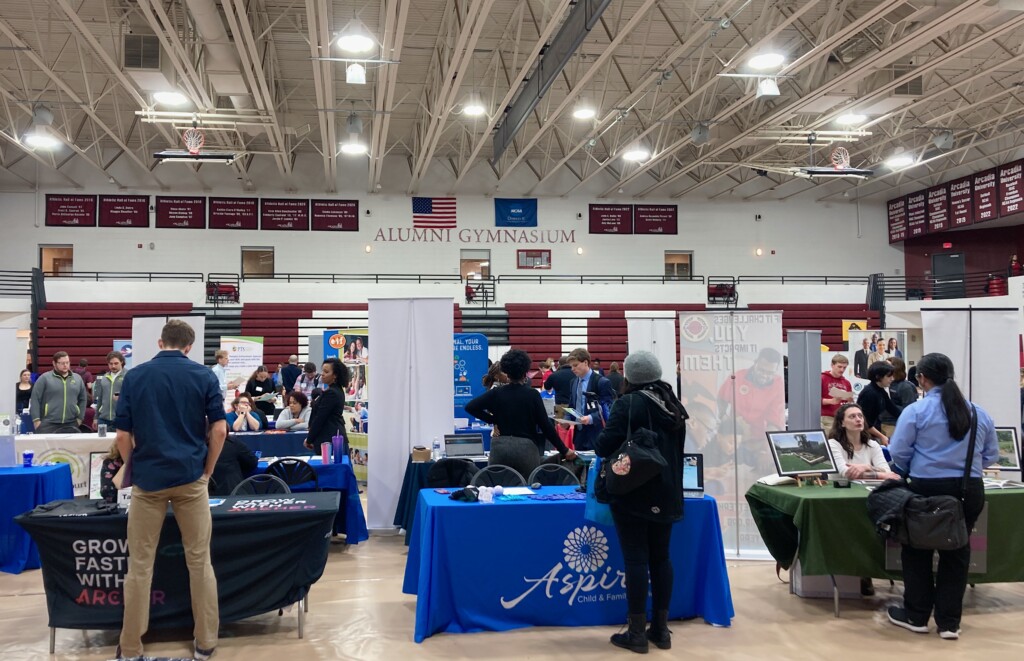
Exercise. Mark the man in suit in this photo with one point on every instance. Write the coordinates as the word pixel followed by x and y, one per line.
pixel 860 359
pixel 591 395
pixel 561 381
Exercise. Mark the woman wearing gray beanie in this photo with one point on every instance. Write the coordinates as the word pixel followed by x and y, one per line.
pixel 644 517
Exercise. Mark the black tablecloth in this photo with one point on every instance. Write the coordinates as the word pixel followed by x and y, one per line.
pixel 266 550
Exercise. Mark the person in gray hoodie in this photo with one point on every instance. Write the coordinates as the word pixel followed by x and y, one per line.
pixel 58 398
pixel 106 388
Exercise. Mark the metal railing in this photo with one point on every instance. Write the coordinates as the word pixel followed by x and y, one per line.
pixel 911 288
pixel 125 275
pixel 353 277
pixel 15 283
pixel 597 279
pixel 804 279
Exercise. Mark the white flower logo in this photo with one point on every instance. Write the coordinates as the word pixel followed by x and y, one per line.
pixel 586 549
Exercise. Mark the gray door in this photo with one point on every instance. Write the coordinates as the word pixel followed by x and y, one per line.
pixel 948 271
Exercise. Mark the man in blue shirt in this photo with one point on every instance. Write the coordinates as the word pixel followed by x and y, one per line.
pixel 165 408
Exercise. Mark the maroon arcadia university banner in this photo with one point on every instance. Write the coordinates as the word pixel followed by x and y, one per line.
pixel 917 214
pixel 961 202
pixel 234 213
pixel 71 211
pixel 1011 187
pixel 181 212
pixel 656 219
pixel 284 214
pixel 611 218
pixel 897 211
pixel 336 215
pixel 938 208
pixel 986 196
pixel 124 211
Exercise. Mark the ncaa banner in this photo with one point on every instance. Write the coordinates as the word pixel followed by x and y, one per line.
pixel 732 384
pixel 515 213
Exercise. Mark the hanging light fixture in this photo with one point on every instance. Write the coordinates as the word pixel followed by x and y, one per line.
pixel 767 87
pixel 944 140
pixel 355 38
pixel 355 145
pixel 764 61
pixel 701 134
pixel 40 136
pixel 900 159
pixel 474 106
pixel 170 98
pixel 355 74
pixel 851 118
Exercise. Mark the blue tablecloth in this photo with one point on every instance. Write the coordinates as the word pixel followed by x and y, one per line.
pixel 337 477
pixel 483 431
pixel 468 567
pixel 22 489
pixel 276 444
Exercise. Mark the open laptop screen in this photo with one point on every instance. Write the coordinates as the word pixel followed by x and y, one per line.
pixel 463 445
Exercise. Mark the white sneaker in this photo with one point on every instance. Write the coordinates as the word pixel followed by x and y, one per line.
pixel 950 635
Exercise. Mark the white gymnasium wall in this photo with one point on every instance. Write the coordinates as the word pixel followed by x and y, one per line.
pixel 807 237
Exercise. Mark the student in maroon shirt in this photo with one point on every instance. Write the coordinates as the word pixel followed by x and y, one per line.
pixel 835 390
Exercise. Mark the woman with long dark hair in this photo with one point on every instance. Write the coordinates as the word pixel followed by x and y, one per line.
pixel 521 423
pixel 930 446
pixel 261 387
pixel 327 418
pixel 644 517
pixel 857 455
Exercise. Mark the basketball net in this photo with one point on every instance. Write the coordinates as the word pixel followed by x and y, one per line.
pixel 840 158
pixel 194 139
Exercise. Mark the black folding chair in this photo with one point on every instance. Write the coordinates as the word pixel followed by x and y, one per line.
pixel 293 472
pixel 553 475
pixel 259 485
pixel 498 475
pixel 451 472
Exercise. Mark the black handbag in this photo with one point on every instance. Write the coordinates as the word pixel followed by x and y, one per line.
pixel 637 461
pixel 933 522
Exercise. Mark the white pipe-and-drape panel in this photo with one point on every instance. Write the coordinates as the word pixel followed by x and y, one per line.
pixel 146 332
pixel 411 385
pixel 657 335
pixel 983 345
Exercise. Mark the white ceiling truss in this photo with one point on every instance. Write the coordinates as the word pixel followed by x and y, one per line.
pixel 265 80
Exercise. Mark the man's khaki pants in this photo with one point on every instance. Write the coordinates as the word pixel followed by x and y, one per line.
pixel 146 516
pixel 826 424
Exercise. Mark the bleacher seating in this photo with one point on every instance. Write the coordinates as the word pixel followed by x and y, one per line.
pixel 87 330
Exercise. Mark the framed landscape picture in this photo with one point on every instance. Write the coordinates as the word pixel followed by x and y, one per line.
pixel 1009 449
pixel 800 452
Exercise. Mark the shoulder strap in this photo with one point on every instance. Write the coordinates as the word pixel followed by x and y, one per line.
pixel 970 452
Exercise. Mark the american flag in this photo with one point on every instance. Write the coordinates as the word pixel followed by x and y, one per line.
pixel 433 212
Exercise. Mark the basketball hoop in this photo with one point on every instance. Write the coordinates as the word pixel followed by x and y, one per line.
pixel 840 158
pixel 194 139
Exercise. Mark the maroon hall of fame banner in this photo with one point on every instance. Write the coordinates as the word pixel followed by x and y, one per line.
pixel 961 202
pixel 611 218
pixel 234 213
pixel 335 215
pixel 181 212
pixel 897 214
pixel 284 214
pixel 124 211
pixel 71 211
pixel 1011 188
pixel 986 196
pixel 656 219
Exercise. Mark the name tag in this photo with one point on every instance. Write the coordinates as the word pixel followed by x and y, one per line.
pixel 260 389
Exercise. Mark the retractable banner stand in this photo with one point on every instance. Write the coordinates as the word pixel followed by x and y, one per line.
pixel 146 332
pixel 983 344
pixel 733 388
pixel 657 335
pixel 411 390
pixel 245 354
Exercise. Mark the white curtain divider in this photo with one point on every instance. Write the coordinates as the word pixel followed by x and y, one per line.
pixel 983 345
pixel 146 331
pixel 12 361
pixel 411 391
pixel 659 337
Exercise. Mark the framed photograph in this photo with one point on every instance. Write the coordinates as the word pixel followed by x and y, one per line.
pixel 693 476
pixel 95 471
pixel 800 452
pixel 1009 449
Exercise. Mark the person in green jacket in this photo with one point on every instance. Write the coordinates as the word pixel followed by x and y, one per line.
pixel 58 398
pixel 106 389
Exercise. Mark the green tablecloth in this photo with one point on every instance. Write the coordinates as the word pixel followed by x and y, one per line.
pixel 831 530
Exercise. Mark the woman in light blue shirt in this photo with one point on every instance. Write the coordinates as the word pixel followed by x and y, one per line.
pixel 930 446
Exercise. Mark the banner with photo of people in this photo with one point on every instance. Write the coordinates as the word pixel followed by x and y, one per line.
pixel 352 346
pixel 867 347
pixel 732 384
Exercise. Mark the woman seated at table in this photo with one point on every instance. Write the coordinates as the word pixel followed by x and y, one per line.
pixel 857 455
pixel 235 463
pixel 261 388
pixel 295 416
pixel 244 416
pixel 517 410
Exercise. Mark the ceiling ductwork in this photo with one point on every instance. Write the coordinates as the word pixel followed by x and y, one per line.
pixel 221 62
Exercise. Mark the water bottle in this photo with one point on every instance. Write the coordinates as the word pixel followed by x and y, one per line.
pixel 435 454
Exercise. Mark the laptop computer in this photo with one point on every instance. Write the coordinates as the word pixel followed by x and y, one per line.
pixel 693 476
pixel 464 445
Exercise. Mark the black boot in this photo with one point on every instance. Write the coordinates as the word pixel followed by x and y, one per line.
pixel 659 633
pixel 635 638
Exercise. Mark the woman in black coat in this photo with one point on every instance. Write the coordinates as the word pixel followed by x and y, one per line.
pixel 327 417
pixel 874 399
pixel 644 517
